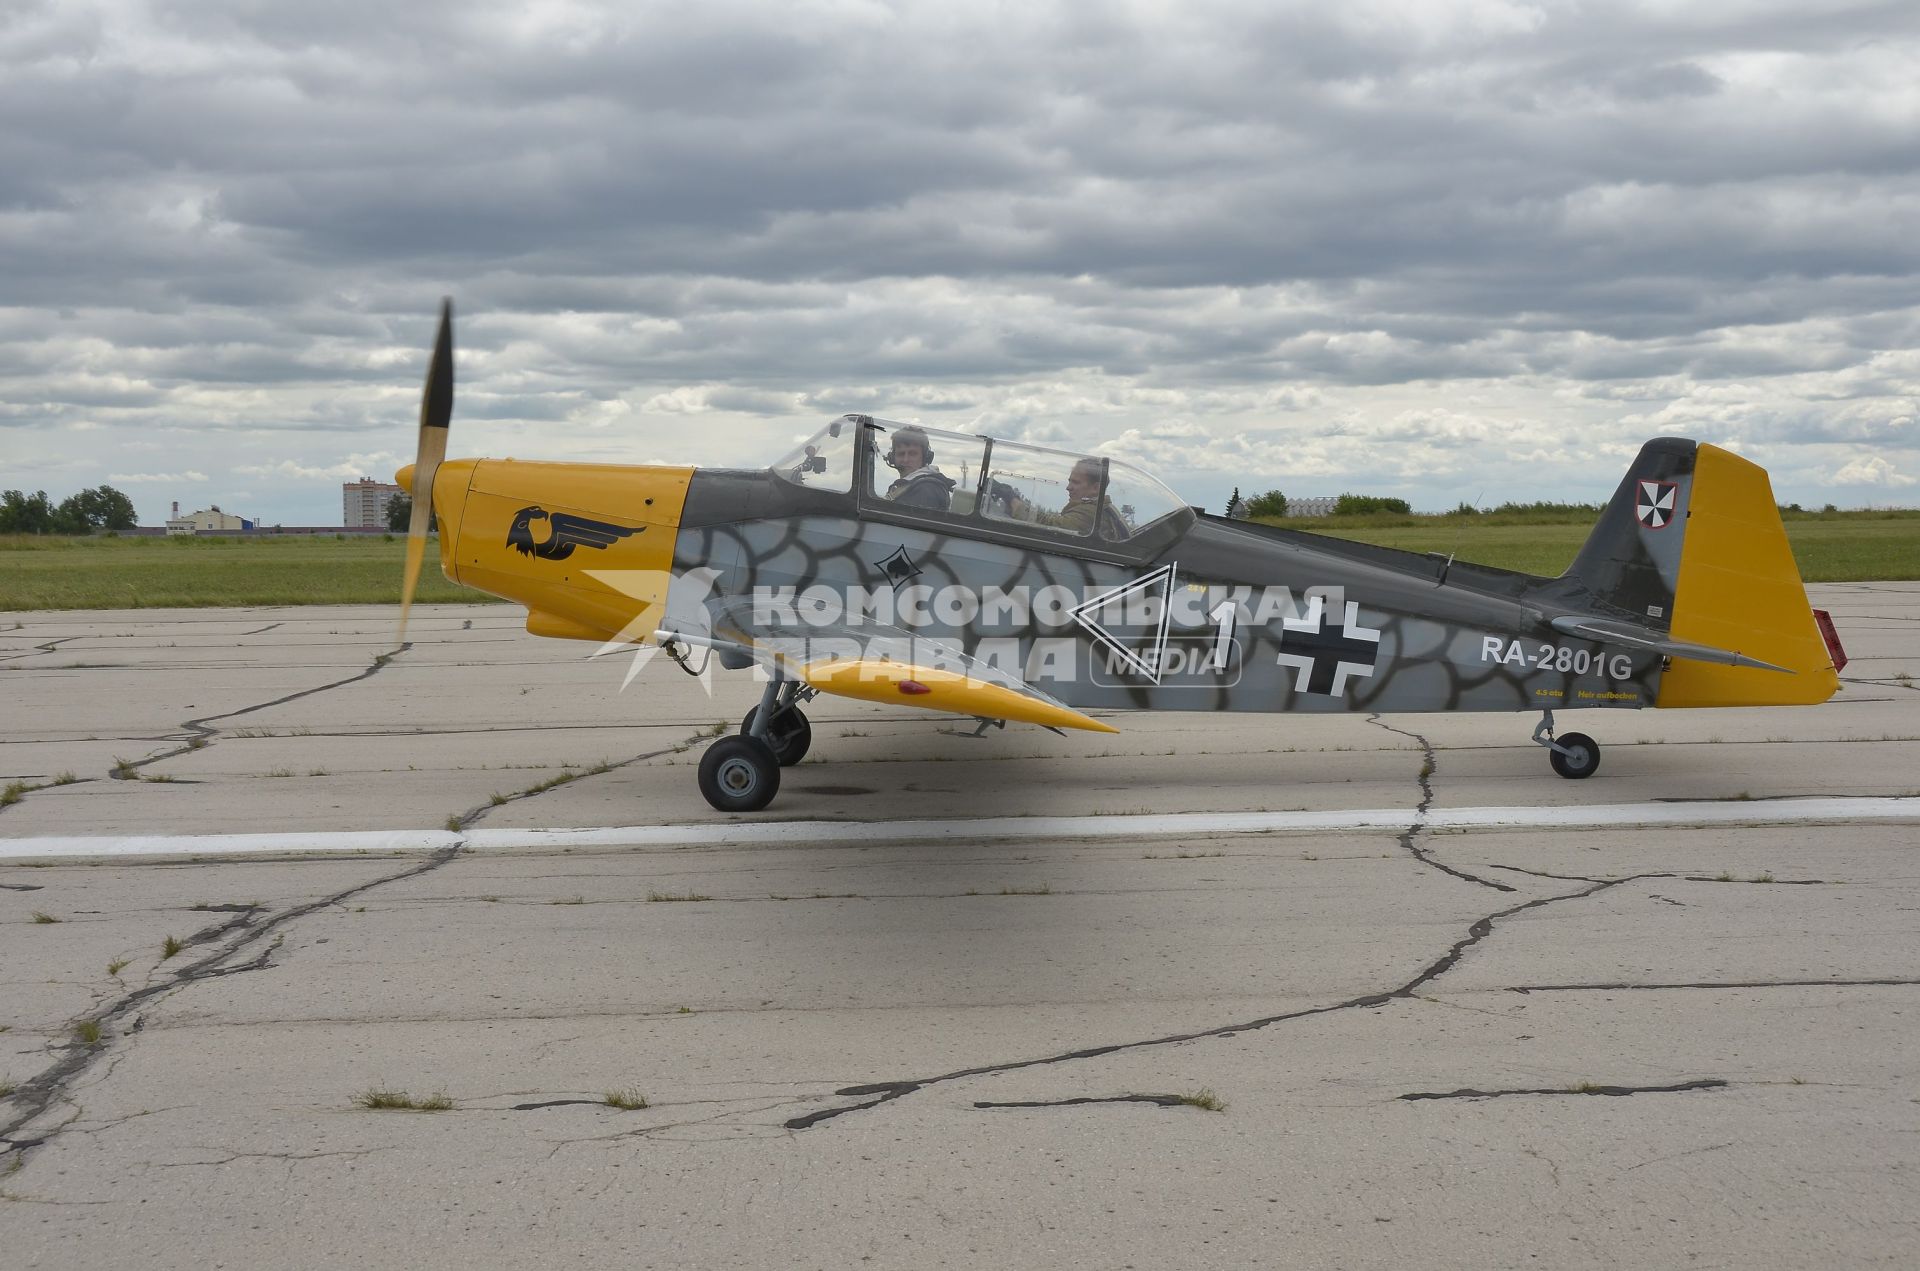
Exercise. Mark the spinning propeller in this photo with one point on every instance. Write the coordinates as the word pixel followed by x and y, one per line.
pixel 436 413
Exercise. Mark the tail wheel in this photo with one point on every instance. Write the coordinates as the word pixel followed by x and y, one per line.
pixel 1575 755
pixel 788 732
pixel 739 774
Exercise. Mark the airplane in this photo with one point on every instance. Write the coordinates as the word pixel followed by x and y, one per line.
pixel 890 562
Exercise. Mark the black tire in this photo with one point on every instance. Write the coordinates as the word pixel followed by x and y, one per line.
pixel 788 732
pixel 739 774
pixel 1584 760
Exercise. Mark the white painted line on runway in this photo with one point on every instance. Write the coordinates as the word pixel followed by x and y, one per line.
pixel 1016 828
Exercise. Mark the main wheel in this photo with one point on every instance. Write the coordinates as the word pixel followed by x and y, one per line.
pixel 788 732
pixel 1582 758
pixel 739 774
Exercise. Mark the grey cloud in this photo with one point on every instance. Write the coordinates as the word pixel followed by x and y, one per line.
pixel 238 215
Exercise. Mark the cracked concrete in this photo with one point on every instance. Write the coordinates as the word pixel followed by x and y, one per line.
pixel 1312 980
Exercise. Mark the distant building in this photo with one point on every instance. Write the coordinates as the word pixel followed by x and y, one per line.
pixel 205 521
pixel 364 503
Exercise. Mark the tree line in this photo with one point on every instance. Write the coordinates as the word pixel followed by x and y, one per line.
pixel 1274 504
pixel 88 512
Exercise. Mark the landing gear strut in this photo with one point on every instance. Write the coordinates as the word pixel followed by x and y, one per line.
pixel 1573 755
pixel 787 730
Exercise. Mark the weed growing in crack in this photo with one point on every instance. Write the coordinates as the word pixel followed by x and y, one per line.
pixel 1761 878
pixel 162 778
pixel 1724 876
pixel 87 1033
pixel 627 1100
pixel 719 728
pixel 118 965
pixel 7 1086
pixel 1204 1099
pixel 170 946
pixel 684 1010
pixel 377 1100
pixel 122 769
pixel 1044 889
pixel 1585 1087
pixel 43 919
pixel 1799 1081
pixel 570 900
pixel 455 824
pixel 15 791
pixel 64 779
pixel 667 897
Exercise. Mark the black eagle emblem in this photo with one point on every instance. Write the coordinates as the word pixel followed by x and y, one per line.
pixel 568 532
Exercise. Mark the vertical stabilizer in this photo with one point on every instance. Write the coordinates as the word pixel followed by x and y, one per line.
pixel 1629 567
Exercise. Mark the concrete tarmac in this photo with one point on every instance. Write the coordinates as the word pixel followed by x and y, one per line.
pixel 1594 1042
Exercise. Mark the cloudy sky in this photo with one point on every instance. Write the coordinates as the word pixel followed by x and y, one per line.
pixel 1474 250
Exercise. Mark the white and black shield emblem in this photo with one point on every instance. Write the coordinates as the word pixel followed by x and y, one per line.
pixel 1655 505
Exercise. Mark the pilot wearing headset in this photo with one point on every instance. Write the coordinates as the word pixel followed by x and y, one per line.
pixel 920 485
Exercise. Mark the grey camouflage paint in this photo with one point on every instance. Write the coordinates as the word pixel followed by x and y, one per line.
pixel 1435 623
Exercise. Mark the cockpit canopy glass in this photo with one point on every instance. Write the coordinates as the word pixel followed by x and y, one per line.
pixel 1034 491
pixel 823 461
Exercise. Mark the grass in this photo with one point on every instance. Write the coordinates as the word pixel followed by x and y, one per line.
pixel 377 1100
pixel 667 897
pixel 87 1033
pixel 1204 1099
pixel 1044 889
pixel 7 1086
pixel 627 1100
pixel 1585 1087
pixel 43 919
pixel 118 965
pixel 160 778
pixel 14 792
pixel 46 572
pixel 170 946
pixel 1829 547
pixel 65 779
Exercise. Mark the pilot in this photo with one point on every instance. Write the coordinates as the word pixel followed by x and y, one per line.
pixel 1083 504
pixel 920 485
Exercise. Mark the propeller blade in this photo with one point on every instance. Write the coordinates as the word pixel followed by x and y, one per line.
pixel 436 414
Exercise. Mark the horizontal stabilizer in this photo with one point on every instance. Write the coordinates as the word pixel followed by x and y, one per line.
pixel 1614 632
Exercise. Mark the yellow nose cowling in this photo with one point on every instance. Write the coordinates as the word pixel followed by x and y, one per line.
pixel 587 548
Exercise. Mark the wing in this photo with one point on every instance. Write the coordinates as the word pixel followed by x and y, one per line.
pixel 568 528
pixel 874 662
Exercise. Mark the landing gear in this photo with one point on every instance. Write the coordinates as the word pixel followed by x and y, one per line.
pixel 742 773
pixel 1573 756
pixel 788 732
pixel 786 729
pixel 739 774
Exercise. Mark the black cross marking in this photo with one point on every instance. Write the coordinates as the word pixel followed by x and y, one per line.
pixel 1328 647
